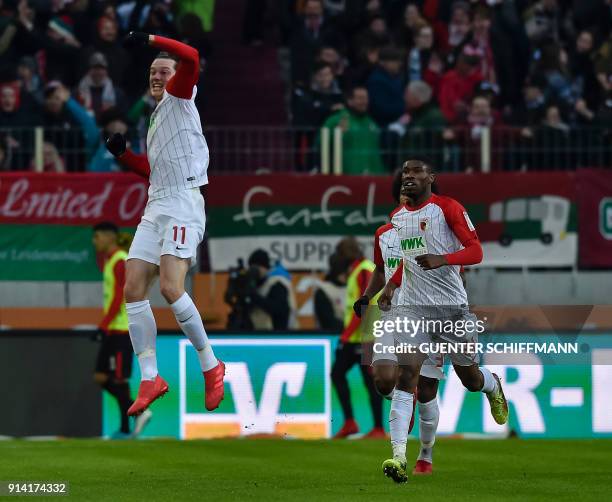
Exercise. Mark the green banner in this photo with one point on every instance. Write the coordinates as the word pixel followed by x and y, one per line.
pixel 280 385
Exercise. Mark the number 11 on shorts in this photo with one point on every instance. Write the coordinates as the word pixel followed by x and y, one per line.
pixel 176 230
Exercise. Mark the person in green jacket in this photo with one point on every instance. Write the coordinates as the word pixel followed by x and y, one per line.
pixel 361 135
pixel 423 129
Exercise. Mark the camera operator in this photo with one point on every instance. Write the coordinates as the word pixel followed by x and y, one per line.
pixel 261 298
pixel 273 302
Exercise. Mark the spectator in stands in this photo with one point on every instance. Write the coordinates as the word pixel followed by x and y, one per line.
pixel 16 122
pixel 375 35
pixel 552 66
pixel 531 110
pixel 96 90
pixel 361 69
pixel 52 162
pixel 331 56
pixel 543 21
pixel 159 19
pixel 480 116
pixel 30 81
pixel 312 105
pixel 412 21
pixel 552 141
pixel 112 122
pixel 457 85
pixel 488 42
pixel 61 51
pixel 361 135
pixel 16 23
pixel 499 60
pixel 311 31
pixel 582 70
pixel 69 127
pixel 386 87
pixel 603 65
pixel 459 26
pixel 106 43
pixel 329 296
pixel 421 128
pixel 12 113
pixel 423 62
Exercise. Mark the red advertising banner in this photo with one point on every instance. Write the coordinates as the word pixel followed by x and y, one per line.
pixel 595 218
pixel 74 199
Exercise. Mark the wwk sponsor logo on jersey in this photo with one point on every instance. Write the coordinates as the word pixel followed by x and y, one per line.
pixel 393 262
pixel 414 246
pixel 272 387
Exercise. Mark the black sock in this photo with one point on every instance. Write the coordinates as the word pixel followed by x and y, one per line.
pixel 121 392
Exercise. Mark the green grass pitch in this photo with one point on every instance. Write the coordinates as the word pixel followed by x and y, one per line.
pixel 269 469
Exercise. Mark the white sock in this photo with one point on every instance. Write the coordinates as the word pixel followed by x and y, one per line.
pixel 429 415
pixel 190 321
pixel 490 384
pixel 143 332
pixel 399 421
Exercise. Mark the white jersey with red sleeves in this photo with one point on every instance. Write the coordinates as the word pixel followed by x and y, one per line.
pixel 176 148
pixel 438 227
pixel 388 253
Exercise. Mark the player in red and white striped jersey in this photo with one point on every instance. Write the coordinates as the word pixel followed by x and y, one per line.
pixel 436 237
pixel 388 258
pixel 173 223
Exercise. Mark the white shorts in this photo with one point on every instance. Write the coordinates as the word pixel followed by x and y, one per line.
pixel 171 225
pixel 432 366
pixel 430 339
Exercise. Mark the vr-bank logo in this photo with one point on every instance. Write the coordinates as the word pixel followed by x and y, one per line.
pixel 273 386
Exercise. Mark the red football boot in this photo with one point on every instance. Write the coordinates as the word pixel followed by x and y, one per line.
pixel 376 433
pixel 148 392
pixel 422 468
pixel 349 427
pixel 214 389
pixel 414 402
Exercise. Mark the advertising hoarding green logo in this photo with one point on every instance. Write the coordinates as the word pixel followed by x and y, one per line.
pixel 281 385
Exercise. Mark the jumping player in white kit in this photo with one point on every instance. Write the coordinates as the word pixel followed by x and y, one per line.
pixel 173 223
pixel 436 237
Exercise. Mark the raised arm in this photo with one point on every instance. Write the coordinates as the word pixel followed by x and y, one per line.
pixel 188 70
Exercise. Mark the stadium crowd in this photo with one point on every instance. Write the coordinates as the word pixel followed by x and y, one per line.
pixel 62 67
pixel 425 76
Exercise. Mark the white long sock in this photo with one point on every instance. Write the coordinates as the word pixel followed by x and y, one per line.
pixel 143 333
pixel 190 321
pixel 399 421
pixel 429 416
pixel 490 384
